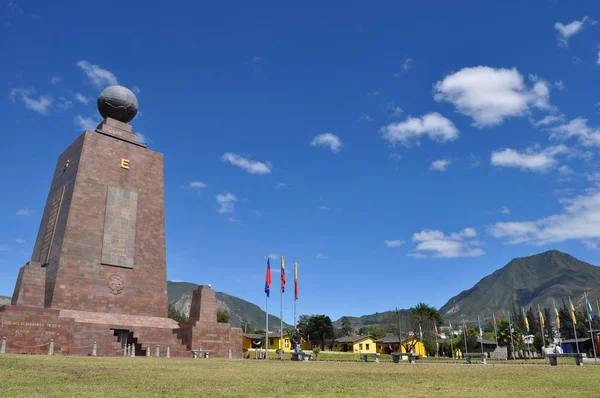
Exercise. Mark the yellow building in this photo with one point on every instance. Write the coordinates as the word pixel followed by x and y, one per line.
pixel 387 345
pixel 361 344
pixel 252 341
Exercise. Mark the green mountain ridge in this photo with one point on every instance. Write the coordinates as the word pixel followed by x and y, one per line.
pixel 180 296
pixel 538 279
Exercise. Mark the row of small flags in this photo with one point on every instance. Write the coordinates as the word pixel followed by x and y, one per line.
pixel 268 279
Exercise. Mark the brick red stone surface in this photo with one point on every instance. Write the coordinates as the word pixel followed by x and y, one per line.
pixel 63 292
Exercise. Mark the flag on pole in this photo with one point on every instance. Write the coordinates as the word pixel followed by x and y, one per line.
pixel 542 320
pixel 282 275
pixel 495 325
pixel 480 329
pixel 268 279
pixel 436 330
pixel 464 325
pixel 590 310
pixel 573 312
pixel 450 324
pixel 296 279
pixel 526 320
pixel 420 332
pixel 557 318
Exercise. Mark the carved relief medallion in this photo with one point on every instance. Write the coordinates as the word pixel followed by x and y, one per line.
pixel 116 284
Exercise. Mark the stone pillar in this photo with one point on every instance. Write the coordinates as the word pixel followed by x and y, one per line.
pixel 157 354
pixel 95 349
pixel 229 355
pixel 168 351
pixel 132 351
pixel 3 346
pixel 148 351
pixel 51 347
pixel 125 350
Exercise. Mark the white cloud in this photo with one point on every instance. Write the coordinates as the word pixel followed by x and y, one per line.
pixel 579 220
pixel 565 170
pixel 489 95
pixel 226 202
pixel 328 140
pixel 82 98
pixel 141 137
pixel 504 210
pixel 4 248
pixel 436 244
pixel 576 60
pixel 136 90
pixel 40 105
pixel 55 80
pixel 86 123
pixel 568 30
pixel 19 240
pixel 373 93
pixel 197 184
pixel 23 212
pixel 321 256
pixel 560 85
pixel 393 110
pixel 98 77
pixel 531 160
pixel 272 256
pixel 251 166
pixel 64 104
pixel 324 208
pixel 598 61
pixel 365 118
pixel 281 185
pixel 405 67
pixel 432 125
pixel 233 220
pixel 578 128
pixel 394 243
pixel 550 119
pixel 440 165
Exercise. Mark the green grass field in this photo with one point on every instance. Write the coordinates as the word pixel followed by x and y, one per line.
pixel 43 376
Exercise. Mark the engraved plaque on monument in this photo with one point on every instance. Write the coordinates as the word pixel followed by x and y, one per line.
pixel 118 245
pixel 56 203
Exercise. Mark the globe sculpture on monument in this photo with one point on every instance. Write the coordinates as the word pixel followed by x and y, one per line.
pixel 96 282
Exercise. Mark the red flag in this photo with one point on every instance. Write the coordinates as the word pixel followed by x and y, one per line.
pixel 268 279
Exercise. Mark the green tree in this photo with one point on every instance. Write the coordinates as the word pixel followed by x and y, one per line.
pixel 346 329
pixel 504 337
pixel 372 330
pixel 222 316
pixel 319 328
pixel 176 315
pixel 421 315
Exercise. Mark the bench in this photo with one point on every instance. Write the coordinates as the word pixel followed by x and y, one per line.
pixel 301 356
pixel 200 353
pixel 365 357
pixel 552 357
pixel 396 356
pixel 468 357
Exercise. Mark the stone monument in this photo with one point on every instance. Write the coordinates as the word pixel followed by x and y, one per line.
pixel 98 268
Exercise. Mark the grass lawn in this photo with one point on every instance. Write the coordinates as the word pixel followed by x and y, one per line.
pixel 44 376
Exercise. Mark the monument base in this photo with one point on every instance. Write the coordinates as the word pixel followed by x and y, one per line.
pixel 33 330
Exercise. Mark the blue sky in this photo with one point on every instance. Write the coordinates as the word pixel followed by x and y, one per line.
pixel 398 153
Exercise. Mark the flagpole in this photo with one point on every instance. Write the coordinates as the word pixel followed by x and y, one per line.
pixel 295 292
pixel 495 328
pixel 465 336
pixel 512 342
pixel 267 330
pixel 281 309
pixel 480 333
pixel 589 307
pixel 574 322
pixel 437 347
pixel 451 345
pixel 542 325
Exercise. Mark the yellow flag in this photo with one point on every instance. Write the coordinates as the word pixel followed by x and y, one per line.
pixel 557 318
pixel 573 312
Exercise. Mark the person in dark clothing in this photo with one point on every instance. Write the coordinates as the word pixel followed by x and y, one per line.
pixel 297 340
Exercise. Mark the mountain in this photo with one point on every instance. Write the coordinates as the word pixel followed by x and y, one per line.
pixel 4 300
pixel 533 280
pixel 180 296
pixel 372 319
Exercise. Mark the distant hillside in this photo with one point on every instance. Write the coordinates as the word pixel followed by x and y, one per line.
pixel 180 296
pixel 4 300
pixel 532 280
pixel 372 319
